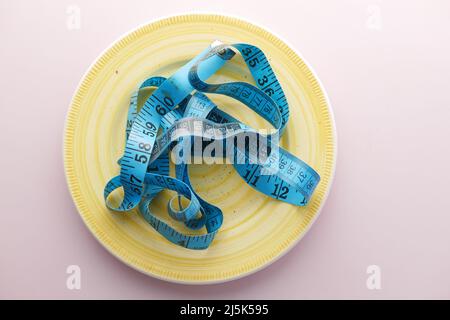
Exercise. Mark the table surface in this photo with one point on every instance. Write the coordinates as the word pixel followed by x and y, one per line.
pixel 385 66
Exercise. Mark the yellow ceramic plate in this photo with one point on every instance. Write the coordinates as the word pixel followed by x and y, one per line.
pixel 257 229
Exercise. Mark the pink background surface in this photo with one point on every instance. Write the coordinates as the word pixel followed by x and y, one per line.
pixel 386 67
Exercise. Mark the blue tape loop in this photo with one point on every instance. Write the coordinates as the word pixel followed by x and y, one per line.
pixel 181 102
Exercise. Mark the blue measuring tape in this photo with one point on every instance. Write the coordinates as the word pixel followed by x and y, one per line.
pixel 177 113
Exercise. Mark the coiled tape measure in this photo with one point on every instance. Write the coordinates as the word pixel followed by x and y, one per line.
pixel 179 102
